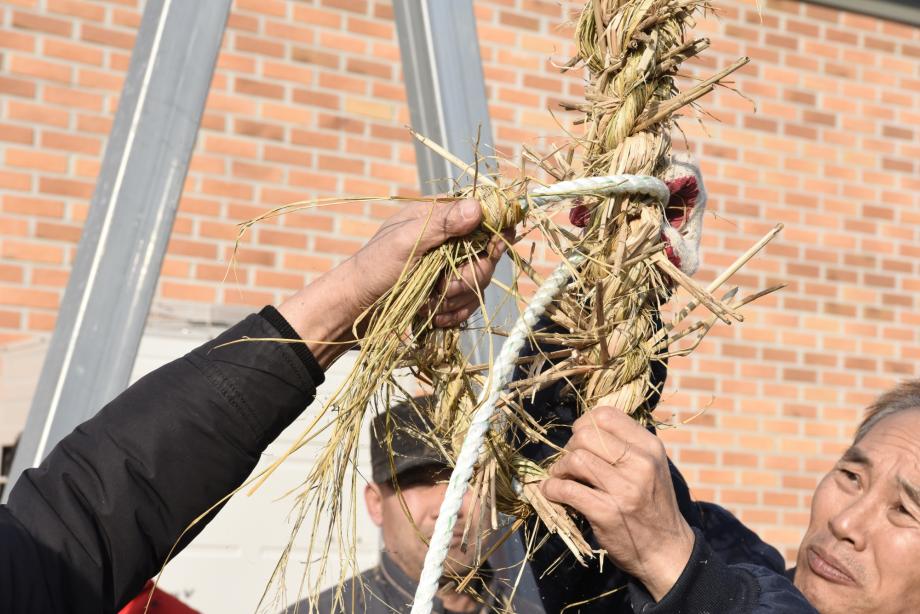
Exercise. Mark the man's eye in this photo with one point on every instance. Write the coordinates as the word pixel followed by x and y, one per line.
pixel 850 476
pixel 906 512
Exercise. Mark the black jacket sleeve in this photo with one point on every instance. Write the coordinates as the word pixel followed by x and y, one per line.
pixel 86 529
pixel 730 571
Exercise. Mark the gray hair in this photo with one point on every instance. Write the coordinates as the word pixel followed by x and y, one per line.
pixel 902 397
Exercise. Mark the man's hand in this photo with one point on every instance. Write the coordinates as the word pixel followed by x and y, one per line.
pixel 325 310
pixel 615 473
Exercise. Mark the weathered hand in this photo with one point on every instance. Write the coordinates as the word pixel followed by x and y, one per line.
pixel 615 473
pixel 325 310
pixel 406 237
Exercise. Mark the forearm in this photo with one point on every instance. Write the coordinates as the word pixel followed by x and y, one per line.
pixel 323 314
pixel 113 497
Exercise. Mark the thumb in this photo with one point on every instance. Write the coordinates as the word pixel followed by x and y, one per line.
pixel 452 220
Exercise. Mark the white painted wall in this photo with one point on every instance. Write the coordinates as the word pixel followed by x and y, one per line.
pixel 20 365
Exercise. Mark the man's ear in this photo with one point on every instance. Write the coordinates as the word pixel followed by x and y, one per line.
pixel 373 499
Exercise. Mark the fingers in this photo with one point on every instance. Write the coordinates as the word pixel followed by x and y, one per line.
pixel 581 498
pixel 609 447
pixel 458 296
pixel 454 318
pixel 441 221
pixel 615 422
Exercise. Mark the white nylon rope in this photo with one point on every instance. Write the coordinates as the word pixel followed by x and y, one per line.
pixel 503 368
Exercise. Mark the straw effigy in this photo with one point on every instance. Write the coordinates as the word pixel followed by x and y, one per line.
pixel 630 256
pixel 638 244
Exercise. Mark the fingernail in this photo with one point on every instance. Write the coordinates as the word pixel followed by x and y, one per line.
pixel 469 209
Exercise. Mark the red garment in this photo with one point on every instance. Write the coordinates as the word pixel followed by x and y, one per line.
pixel 684 192
pixel 162 603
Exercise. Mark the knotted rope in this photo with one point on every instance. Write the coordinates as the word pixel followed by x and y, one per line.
pixel 503 368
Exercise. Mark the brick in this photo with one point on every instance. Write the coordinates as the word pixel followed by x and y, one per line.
pixel 58 232
pixel 319 99
pixel 258 88
pixel 17 87
pixel 39 114
pixel 318 17
pixel 65 187
pixel 188 292
pixel 220 273
pixel 26 297
pixel 324 182
pixel 195 249
pixel 267 236
pixel 32 252
pixel 259 46
pixel 338 123
pixel 369 68
pixel 75 8
pixel 70 142
pixel 276 8
pixel 287 155
pixel 297 34
pixel 337 82
pixel 377 29
pixel 108 37
pixel 354 6
pixel 238 21
pixel 246 170
pixel 898 132
pixel 99 80
pixel 39 69
pixel 342 42
pixel 14 227
pixel 9 319
pixel 239 296
pixel 231 189
pixel 35 159
pixel 28 205
pixel 41 321
pixel 71 51
pixel 279 280
pixel 367 108
pixel 40 23
pixel 54 278
pixel 310 55
pixel 249 255
pixel 286 72
pixel 342 247
pixel 515 20
pixel 20 41
pixel 258 129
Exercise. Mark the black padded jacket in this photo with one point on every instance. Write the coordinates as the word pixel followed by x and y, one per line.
pixel 85 530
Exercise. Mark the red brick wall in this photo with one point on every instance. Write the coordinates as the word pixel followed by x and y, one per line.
pixel 307 100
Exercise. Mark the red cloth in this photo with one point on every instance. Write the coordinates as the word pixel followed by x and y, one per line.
pixel 684 192
pixel 162 603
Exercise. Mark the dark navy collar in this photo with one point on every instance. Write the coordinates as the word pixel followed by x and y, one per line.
pixel 393 574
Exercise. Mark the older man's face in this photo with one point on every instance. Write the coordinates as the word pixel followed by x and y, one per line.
pixel 406 539
pixel 862 549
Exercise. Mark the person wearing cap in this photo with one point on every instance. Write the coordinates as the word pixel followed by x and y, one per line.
pixel 84 531
pixel 407 470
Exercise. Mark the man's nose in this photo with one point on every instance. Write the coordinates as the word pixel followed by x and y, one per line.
pixel 852 522
pixel 436 498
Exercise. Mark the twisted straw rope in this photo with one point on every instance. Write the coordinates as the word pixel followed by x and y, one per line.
pixel 503 370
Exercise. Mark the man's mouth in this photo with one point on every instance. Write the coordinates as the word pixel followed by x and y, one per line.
pixel 456 539
pixel 825 566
